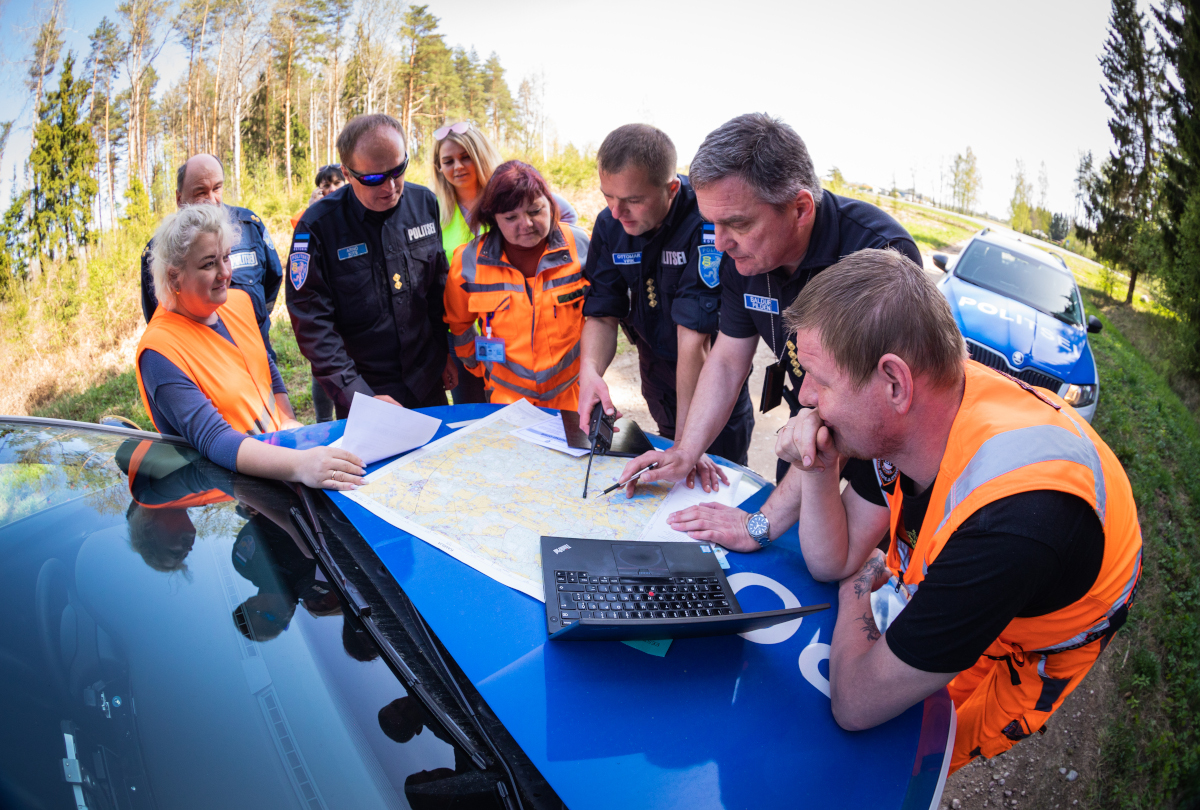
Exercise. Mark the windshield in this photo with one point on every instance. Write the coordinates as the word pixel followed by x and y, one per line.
pixel 170 642
pixel 1038 284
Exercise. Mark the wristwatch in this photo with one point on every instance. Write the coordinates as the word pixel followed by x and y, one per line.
pixel 759 528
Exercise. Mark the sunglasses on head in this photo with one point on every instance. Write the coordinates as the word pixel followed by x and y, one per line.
pixel 378 179
pixel 457 129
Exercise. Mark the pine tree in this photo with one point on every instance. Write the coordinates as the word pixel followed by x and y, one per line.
pixel 1120 199
pixel 63 161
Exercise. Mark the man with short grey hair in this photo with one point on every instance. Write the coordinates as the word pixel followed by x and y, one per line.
pixel 777 228
pixel 200 180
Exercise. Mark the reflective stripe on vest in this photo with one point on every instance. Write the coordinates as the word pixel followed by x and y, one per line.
pixel 1054 452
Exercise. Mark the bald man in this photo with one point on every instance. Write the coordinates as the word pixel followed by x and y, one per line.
pixel 256 269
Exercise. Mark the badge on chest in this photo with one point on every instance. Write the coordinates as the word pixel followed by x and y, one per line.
pixel 761 303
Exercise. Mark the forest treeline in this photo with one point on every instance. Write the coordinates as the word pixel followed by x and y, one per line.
pixel 266 88
pixel 1141 202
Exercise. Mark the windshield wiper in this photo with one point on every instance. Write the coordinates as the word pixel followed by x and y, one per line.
pixel 311 528
pixel 362 611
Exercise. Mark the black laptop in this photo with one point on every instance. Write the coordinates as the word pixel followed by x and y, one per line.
pixel 607 590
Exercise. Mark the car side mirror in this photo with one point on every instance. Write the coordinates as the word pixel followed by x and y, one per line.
pixel 1094 324
pixel 939 261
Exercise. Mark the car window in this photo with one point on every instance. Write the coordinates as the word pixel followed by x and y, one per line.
pixel 1038 284
pixel 170 642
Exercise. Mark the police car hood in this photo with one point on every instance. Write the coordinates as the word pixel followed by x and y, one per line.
pixel 1011 327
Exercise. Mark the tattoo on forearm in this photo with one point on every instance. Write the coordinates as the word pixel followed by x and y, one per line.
pixel 869 626
pixel 866 577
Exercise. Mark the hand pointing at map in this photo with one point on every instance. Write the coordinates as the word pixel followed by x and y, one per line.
pixel 673 465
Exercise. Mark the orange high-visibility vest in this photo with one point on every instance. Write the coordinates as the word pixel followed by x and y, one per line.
pixel 540 319
pixel 237 378
pixel 1008 438
pixel 139 483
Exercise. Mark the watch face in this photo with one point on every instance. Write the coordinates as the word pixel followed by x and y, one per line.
pixel 758 525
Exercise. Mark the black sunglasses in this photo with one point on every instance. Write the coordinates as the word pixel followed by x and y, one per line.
pixel 378 179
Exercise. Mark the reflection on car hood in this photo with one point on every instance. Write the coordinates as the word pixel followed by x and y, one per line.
pixel 1025 336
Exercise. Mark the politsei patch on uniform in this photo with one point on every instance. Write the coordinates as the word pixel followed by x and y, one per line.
pixel 422 231
pixel 243 258
pixel 571 296
pixel 886 472
pixel 350 252
pixel 627 258
pixel 710 266
pixel 298 269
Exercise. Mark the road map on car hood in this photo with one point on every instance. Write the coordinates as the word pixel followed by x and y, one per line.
pixel 485 497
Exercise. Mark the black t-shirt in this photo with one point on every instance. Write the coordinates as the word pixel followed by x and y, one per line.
pixel 754 305
pixel 1026 555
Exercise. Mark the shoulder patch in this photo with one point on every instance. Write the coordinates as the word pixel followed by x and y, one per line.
pixel 298 269
pixel 710 266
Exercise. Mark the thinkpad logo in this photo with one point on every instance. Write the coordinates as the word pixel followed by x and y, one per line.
pixel 561 549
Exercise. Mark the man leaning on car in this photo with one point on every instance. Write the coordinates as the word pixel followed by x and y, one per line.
pixel 1014 543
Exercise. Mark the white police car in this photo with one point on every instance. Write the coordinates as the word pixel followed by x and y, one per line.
pixel 1021 313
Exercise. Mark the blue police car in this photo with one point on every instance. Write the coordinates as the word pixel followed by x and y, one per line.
pixel 1021 313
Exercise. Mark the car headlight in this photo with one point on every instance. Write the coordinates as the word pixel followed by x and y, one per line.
pixel 1079 395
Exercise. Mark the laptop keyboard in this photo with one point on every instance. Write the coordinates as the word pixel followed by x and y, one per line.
pixel 581 595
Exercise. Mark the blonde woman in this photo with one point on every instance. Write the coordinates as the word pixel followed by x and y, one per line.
pixel 202 367
pixel 463 163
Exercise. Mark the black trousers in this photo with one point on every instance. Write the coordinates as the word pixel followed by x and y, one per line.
pixel 732 443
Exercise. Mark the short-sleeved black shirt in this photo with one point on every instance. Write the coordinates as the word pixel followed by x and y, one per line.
pixel 651 281
pixel 1026 555
pixel 843 226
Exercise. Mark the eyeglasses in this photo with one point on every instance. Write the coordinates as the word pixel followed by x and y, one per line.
pixel 379 179
pixel 457 129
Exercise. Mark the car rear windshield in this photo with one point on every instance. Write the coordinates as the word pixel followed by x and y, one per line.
pixel 1039 284
pixel 169 641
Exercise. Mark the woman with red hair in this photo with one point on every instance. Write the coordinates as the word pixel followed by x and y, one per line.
pixel 522 280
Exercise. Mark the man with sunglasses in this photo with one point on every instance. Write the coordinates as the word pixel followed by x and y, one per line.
pixel 256 269
pixel 366 273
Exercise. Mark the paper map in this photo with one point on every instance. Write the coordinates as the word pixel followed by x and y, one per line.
pixel 485 497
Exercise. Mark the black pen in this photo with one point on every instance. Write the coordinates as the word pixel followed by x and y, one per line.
pixel 634 477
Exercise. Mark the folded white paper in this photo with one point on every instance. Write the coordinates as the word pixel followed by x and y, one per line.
pixel 376 429
pixel 551 434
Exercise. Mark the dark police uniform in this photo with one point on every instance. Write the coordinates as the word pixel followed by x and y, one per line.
pixel 753 305
pixel 365 295
pixel 256 270
pixel 654 282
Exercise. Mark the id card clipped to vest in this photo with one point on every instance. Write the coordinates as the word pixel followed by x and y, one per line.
pixel 489 349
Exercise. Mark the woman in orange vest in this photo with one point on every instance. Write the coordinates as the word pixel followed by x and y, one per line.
pixel 203 370
pixel 522 281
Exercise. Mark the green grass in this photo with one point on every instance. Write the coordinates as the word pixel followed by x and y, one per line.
pixel 117 395
pixel 1151 745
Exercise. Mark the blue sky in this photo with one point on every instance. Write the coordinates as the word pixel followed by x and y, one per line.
pixel 879 89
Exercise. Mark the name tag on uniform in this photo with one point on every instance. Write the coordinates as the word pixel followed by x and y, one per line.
pixel 489 350
pixel 760 303
pixel 243 258
pixel 627 258
pixel 352 251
